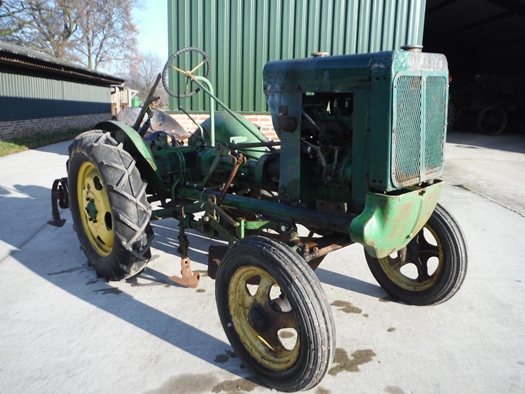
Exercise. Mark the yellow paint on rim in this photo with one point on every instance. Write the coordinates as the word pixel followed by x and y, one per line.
pixel 263 344
pixel 392 268
pixel 95 209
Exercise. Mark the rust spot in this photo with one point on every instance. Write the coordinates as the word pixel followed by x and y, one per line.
pixel 187 383
pixel 321 390
pixel 234 386
pixel 391 329
pixel 394 390
pixel 221 358
pixel 387 299
pixel 344 363
pixel 346 306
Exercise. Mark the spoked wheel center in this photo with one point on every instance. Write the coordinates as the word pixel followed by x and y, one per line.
pixel 419 265
pixel 258 319
pixel 268 327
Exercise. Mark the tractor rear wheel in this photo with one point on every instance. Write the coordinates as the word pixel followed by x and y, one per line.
pixel 108 204
pixel 432 267
pixel 275 314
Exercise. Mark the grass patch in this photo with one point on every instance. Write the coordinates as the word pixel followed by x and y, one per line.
pixel 36 141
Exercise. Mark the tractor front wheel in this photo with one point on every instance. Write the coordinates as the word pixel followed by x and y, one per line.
pixel 108 204
pixel 275 314
pixel 432 267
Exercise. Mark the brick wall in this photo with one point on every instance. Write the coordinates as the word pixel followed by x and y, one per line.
pixel 263 121
pixel 24 128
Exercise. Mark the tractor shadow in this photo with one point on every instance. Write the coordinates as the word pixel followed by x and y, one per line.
pixel 53 253
pixel 166 241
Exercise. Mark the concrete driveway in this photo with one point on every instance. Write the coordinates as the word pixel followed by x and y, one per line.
pixel 63 330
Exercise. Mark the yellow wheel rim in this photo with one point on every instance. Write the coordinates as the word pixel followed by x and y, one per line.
pixel 423 265
pixel 263 318
pixel 95 210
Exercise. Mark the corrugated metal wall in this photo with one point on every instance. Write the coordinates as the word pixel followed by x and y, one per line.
pixel 240 36
pixel 29 97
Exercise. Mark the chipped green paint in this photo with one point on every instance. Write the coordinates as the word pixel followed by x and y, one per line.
pixel 389 222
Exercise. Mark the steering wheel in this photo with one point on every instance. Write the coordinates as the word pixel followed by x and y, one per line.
pixel 181 61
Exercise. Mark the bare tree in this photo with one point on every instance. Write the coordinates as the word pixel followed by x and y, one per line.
pixel 90 32
pixel 47 26
pixel 108 33
pixel 143 73
pixel 9 18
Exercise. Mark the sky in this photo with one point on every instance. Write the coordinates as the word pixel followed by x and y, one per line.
pixel 152 23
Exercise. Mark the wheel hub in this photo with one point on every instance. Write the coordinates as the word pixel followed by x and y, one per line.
pixel 91 210
pixel 257 319
pixel 96 215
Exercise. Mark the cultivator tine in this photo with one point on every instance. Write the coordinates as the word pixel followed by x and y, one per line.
pixel 187 278
pixel 59 197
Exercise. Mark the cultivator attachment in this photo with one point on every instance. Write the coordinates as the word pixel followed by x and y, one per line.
pixel 59 198
pixel 188 278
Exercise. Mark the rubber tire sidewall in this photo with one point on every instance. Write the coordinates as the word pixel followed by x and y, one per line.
pixel 124 260
pixel 298 282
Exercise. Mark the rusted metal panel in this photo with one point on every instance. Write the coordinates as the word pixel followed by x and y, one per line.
pixel 240 36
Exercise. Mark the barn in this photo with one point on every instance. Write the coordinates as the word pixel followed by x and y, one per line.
pixel 41 94
pixel 482 39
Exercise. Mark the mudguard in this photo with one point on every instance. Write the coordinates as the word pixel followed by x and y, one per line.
pixel 134 144
pixel 389 222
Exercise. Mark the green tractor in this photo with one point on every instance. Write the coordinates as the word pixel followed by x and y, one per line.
pixel 357 160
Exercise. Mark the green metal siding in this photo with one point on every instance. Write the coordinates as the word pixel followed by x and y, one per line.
pixel 29 97
pixel 240 36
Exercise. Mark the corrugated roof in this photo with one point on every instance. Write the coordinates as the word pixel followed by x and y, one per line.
pixel 24 58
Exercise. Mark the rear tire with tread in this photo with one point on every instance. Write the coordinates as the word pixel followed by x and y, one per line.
pixel 109 207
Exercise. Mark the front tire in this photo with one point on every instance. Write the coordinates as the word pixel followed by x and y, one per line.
pixel 275 314
pixel 433 267
pixel 108 205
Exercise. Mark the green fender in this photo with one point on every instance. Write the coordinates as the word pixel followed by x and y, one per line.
pixel 135 146
pixel 389 222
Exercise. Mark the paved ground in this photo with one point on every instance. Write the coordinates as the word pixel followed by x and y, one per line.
pixel 65 331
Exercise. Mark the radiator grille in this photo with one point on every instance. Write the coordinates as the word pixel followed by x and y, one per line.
pixel 435 132
pixel 418 130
